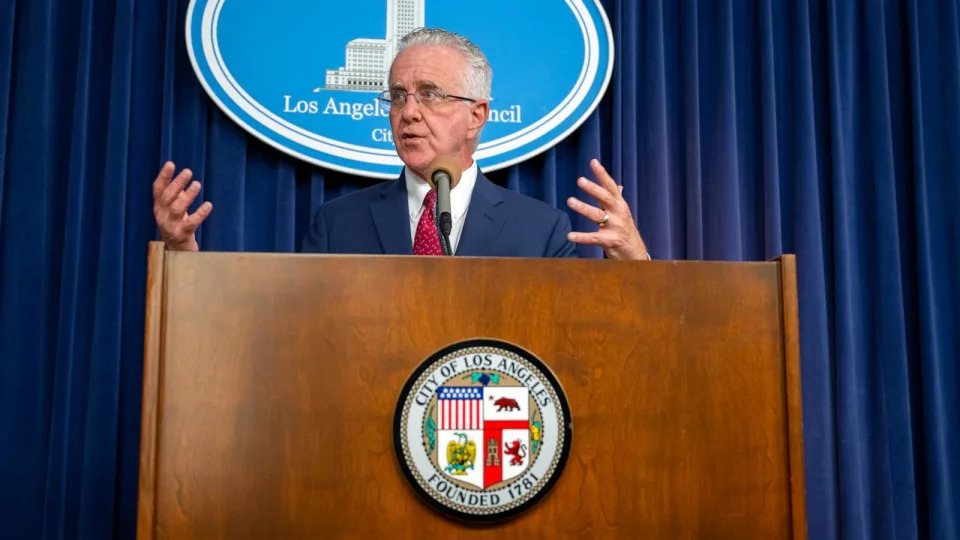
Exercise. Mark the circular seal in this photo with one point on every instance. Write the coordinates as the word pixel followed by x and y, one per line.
pixel 482 430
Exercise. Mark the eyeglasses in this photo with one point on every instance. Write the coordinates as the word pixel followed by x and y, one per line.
pixel 430 97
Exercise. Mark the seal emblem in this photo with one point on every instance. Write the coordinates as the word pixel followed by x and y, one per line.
pixel 482 430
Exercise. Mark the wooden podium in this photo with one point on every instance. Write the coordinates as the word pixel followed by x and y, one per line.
pixel 270 383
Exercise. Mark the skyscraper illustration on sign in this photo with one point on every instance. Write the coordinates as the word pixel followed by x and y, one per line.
pixel 367 65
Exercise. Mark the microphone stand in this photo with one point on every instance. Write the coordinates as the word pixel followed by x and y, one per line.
pixel 444 224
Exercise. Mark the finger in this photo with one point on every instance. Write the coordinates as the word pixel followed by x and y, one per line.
pixel 191 222
pixel 163 179
pixel 603 176
pixel 588 211
pixel 173 190
pixel 606 199
pixel 599 238
pixel 184 200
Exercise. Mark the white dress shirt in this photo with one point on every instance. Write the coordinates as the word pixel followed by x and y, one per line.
pixel 460 195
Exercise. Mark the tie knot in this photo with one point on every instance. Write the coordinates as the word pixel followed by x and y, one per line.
pixel 430 199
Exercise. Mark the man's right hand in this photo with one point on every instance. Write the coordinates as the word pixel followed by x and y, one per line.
pixel 170 203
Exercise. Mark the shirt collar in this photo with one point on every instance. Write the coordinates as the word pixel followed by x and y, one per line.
pixel 460 195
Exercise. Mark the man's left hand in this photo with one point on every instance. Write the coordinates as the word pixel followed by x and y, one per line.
pixel 617 233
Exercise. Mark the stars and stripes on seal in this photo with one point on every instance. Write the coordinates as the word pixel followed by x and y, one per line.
pixel 460 407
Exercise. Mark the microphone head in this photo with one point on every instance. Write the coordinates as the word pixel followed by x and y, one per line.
pixel 448 164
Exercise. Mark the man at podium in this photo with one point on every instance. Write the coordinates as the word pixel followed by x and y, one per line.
pixel 438 103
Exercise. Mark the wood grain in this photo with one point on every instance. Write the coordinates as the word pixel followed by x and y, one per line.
pixel 280 375
pixel 153 335
pixel 791 352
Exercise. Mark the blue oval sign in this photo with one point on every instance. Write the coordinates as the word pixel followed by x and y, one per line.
pixel 303 75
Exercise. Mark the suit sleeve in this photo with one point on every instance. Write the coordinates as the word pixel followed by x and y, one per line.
pixel 315 240
pixel 558 245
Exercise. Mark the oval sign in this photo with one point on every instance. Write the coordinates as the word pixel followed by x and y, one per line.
pixel 482 430
pixel 303 75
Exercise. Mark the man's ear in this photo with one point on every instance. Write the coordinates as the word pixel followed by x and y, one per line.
pixel 479 112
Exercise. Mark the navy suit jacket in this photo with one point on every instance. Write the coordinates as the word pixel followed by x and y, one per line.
pixel 499 223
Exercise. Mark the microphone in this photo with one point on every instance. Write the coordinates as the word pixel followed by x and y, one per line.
pixel 444 174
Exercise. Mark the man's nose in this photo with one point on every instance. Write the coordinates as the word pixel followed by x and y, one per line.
pixel 411 108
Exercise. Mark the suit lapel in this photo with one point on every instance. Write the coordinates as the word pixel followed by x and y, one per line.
pixel 485 218
pixel 392 219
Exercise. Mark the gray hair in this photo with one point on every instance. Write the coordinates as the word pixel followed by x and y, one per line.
pixel 479 76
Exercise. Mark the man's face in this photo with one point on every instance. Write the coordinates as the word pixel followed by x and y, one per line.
pixel 421 134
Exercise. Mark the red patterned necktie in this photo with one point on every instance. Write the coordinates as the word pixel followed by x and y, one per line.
pixel 426 241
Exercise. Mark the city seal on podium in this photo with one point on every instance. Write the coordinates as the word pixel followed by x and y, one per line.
pixel 482 430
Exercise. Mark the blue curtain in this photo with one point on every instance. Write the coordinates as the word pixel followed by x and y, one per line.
pixel 740 130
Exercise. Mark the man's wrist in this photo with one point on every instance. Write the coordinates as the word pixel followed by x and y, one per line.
pixel 189 245
pixel 641 254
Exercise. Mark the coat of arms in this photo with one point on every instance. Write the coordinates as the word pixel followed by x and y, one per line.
pixel 494 419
